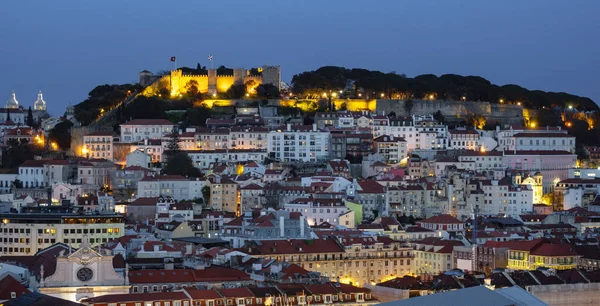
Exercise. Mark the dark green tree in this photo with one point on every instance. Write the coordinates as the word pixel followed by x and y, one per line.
pixel 181 164
pixel 7 114
pixel 206 195
pixel 30 121
pixel 191 88
pixel 61 134
pixel 267 91
pixel 17 183
pixel 236 91
pixel 173 143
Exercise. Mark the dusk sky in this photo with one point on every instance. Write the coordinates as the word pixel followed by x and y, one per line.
pixel 66 48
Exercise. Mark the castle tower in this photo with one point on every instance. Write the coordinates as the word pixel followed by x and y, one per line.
pixel 39 104
pixel 12 101
pixel 212 81
pixel 146 78
pixel 271 75
pixel 175 82
pixel 238 76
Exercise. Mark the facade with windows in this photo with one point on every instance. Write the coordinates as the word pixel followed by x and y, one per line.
pixel 304 143
pixel 99 145
pixel 25 234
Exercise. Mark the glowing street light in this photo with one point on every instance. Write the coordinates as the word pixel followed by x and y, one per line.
pixel 519 103
pixel 382 95
pixel 570 106
pixel 247 94
pixel 501 100
pixel 532 124
pixel 431 96
pixel 359 94
pixel 214 95
pixel 464 98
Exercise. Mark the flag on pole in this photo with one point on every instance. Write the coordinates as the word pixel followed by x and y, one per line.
pixel 210 58
pixel 172 58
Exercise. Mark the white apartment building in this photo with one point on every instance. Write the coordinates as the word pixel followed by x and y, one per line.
pixel 140 129
pixel 203 159
pixel 99 145
pixel 431 134
pixel 187 141
pixel 25 234
pixel 501 197
pixel 507 142
pixel 57 171
pixel 95 172
pixel 483 160
pixel 302 143
pixel 543 142
pixel 317 211
pixel 207 139
pixel 32 174
pixel 393 149
pixel 248 138
pixel 153 147
pixel 174 186
pixel 464 139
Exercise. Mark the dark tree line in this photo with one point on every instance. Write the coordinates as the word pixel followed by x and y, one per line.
pixel 101 98
pixel 445 87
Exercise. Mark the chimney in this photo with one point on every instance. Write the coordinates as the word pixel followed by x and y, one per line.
pixel 145 141
pixel 302 226
pixel 281 226
pixel 289 127
pixel 314 127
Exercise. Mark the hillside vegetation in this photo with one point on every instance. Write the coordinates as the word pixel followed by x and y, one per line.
pixel 371 84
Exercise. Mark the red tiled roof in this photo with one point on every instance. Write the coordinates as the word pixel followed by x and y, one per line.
pixel 8 285
pixel 127 297
pixel 441 219
pixel 144 202
pixel 236 292
pixel 213 274
pixel 148 246
pixel 370 187
pixel 295 246
pixel 199 294
pixel 550 249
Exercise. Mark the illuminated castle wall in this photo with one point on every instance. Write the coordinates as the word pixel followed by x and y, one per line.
pixel 211 83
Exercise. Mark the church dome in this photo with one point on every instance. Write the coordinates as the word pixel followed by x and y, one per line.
pixel 12 102
pixel 39 104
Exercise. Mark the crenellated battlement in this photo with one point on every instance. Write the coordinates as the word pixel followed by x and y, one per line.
pixel 177 82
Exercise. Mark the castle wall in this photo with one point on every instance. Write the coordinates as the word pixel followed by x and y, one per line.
pixel 224 82
pixel 176 82
pixel 456 110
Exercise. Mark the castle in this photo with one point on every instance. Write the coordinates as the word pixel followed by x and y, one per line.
pixel 210 83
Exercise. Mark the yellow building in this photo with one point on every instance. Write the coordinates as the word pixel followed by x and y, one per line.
pixel 355 260
pixel 224 195
pixel 532 254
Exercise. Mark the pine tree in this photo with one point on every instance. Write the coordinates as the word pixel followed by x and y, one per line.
pixel 8 114
pixel 30 121
pixel 173 144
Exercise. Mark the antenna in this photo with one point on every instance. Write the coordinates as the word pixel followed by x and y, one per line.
pixel 474 229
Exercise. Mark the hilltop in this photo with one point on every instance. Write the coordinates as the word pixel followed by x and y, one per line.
pixel 376 85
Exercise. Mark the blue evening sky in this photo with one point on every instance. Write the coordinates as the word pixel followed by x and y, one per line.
pixel 66 48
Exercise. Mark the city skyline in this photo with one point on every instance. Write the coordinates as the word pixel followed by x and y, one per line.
pixel 83 45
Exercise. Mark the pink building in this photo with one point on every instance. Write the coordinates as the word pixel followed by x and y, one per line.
pixel 554 165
